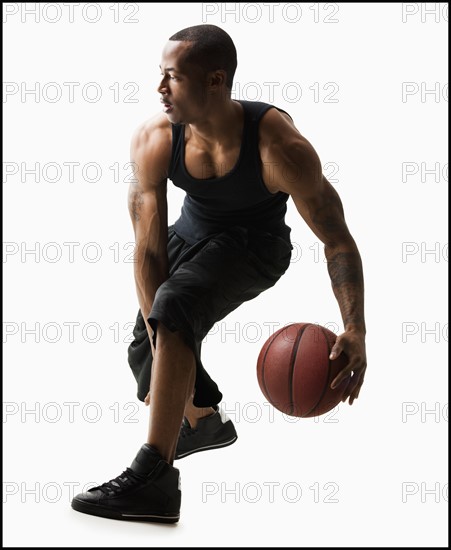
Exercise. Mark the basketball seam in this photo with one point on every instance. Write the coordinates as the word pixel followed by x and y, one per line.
pixel 293 360
pixel 323 393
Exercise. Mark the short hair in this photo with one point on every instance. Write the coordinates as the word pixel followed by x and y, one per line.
pixel 212 49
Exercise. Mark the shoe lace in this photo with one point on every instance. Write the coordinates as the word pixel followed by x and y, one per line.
pixel 186 430
pixel 127 478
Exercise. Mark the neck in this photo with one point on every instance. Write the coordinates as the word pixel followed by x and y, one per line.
pixel 221 121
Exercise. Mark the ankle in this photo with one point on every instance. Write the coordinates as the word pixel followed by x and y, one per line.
pixel 193 414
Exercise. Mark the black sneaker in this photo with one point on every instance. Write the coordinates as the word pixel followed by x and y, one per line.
pixel 211 432
pixel 147 491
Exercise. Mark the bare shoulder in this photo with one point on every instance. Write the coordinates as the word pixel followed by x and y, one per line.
pixel 287 156
pixel 151 145
pixel 157 126
pixel 277 127
pixel 279 138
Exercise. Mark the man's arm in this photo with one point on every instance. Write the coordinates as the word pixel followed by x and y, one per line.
pixel 292 165
pixel 147 202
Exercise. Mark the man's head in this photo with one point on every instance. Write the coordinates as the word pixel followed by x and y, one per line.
pixel 198 65
pixel 211 49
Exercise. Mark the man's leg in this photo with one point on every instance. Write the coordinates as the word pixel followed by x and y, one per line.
pixel 173 360
pixel 192 413
pixel 197 294
pixel 171 388
pixel 149 490
pixel 140 355
pixel 204 288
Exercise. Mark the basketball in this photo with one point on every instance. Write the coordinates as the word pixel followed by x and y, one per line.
pixel 294 370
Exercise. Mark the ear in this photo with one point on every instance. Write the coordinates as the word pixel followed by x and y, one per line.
pixel 216 80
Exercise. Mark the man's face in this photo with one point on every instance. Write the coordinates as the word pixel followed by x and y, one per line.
pixel 183 85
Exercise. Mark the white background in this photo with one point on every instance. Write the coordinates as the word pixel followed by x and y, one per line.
pixel 385 457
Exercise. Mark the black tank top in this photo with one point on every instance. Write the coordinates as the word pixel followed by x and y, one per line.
pixel 238 198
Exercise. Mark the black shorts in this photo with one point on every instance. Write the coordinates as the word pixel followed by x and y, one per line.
pixel 207 280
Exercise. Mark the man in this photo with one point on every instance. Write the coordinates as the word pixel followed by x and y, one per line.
pixel 239 162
